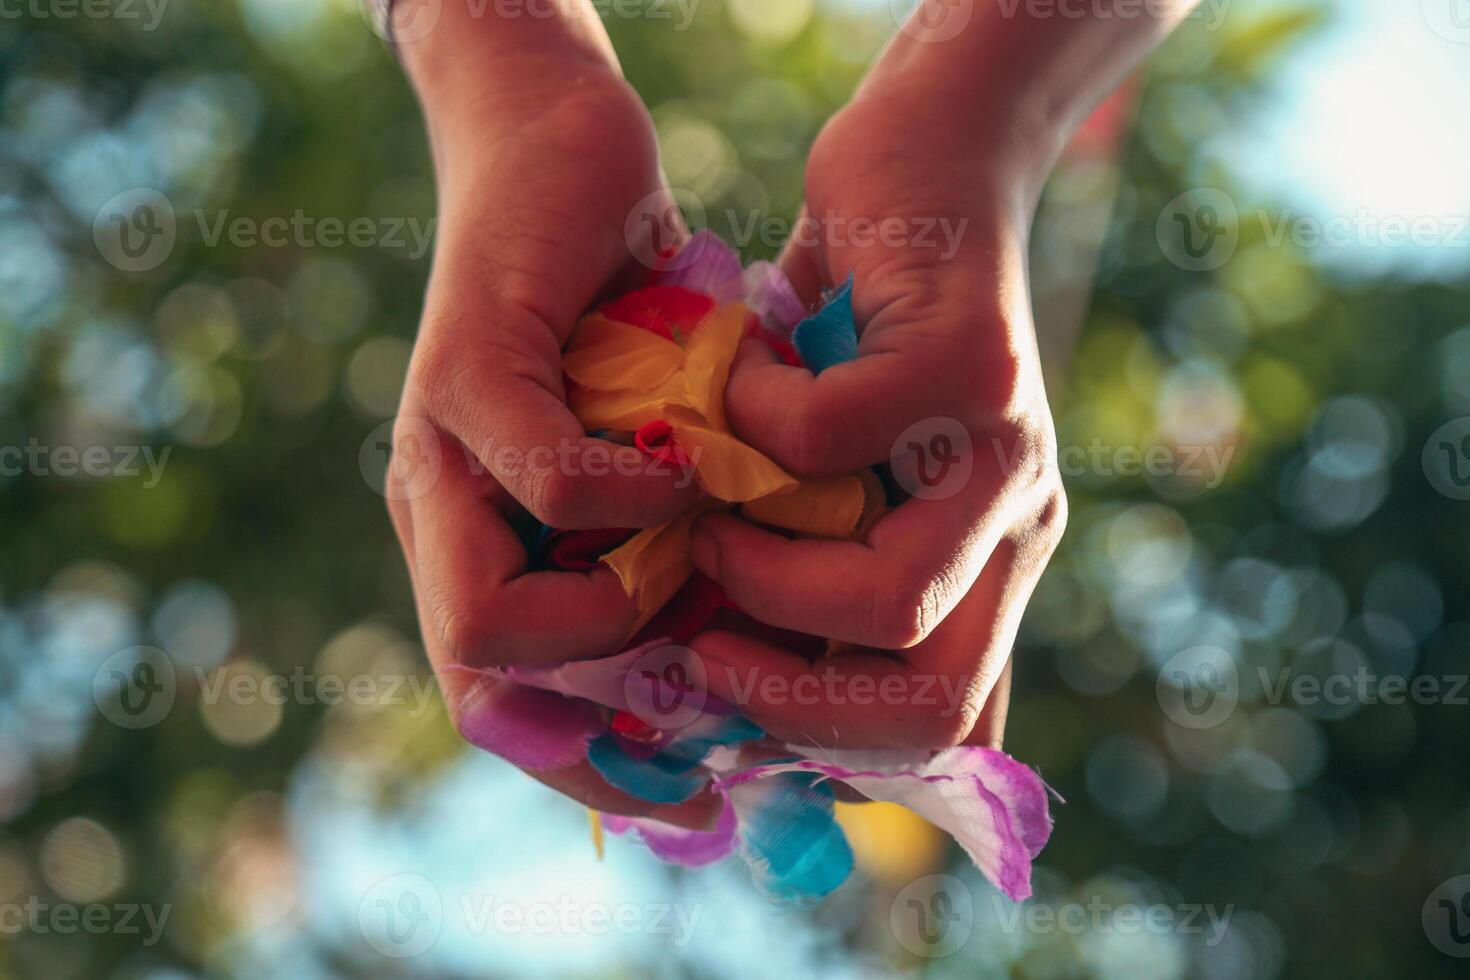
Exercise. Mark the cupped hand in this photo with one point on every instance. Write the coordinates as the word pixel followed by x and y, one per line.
pixel 930 220
pixel 540 162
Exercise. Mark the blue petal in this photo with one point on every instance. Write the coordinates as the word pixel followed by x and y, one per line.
pixel 829 336
pixel 795 839
pixel 709 733
pixel 658 780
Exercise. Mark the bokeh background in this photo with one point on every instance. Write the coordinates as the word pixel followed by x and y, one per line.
pixel 274 835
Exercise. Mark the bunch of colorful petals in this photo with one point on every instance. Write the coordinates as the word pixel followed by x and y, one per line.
pixel 649 370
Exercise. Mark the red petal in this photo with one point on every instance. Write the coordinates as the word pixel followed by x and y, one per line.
pixel 672 312
pixel 688 613
pixel 579 551
pixel 656 439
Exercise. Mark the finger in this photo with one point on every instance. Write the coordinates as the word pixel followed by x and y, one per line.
pixel 935 338
pixel 891 590
pixel 580 781
pixel 847 417
pixel 488 371
pixel 480 600
pixel 989 732
pixel 931 698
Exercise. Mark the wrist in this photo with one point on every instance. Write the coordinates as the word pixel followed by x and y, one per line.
pixel 458 50
pixel 1019 81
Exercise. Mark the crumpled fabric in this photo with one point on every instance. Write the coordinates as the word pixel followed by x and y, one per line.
pixel 650 369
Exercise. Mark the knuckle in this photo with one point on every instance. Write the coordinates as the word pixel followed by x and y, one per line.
pixel 1052 520
pixel 950 729
pixel 439 375
pixel 467 630
pixel 952 724
pixel 903 616
pixel 553 497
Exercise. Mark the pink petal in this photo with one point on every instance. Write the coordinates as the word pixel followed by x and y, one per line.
pixel 689 848
pixel 703 265
pixel 602 681
pixel 533 729
pixel 769 293
pixel 995 807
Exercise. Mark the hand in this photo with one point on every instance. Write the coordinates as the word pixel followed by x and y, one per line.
pixel 541 152
pixel 945 333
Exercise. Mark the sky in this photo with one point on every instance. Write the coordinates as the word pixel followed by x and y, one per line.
pixel 1365 121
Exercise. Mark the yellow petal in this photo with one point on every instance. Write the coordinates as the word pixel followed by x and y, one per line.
pixel 610 356
pixel 619 411
pixel 831 507
pixel 875 504
pixel 707 368
pixel 890 842
pixel 654 564
pixel 726 467
pixel 594 819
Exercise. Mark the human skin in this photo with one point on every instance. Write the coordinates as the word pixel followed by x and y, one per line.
pixel 541 153
pixel 939 130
